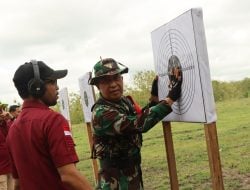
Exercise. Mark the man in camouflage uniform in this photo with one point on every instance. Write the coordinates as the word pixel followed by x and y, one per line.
pixel 118 125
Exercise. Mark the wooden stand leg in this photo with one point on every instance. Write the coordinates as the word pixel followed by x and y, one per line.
pixel 170 155
pixel 94 162
pixel 214 156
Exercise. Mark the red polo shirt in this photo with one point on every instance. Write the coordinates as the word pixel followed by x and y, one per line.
pixel 40 141
pixel 5 166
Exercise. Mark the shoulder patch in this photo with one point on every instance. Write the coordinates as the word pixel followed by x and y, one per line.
pixel 66 130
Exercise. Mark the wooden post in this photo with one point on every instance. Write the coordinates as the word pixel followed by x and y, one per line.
pixel 170 155
pixel 94 162
pixel 214 156
pixel 88 98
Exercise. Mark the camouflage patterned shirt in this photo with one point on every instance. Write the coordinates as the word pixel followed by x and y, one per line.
pixel 117 138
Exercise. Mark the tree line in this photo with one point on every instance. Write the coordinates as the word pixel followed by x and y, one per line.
pixel 140 86
pixel 231 90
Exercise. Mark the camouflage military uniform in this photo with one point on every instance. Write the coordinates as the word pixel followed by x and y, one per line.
pixel 117 130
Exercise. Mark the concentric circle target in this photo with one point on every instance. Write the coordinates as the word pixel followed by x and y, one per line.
pixel 86 99
pixel 174 44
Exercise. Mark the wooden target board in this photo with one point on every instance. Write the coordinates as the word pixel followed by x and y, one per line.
pixel 182 43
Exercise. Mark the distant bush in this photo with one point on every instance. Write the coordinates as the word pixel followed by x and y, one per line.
pixel 231 90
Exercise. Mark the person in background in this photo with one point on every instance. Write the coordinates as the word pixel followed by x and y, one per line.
pixel 40 141
pixel 118 124
pixel 14 110
pixel 6 182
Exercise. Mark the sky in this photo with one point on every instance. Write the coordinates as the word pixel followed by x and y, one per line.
pixel 73 34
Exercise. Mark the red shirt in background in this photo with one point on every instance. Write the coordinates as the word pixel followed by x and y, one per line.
pixel 5 167
pixel 40 141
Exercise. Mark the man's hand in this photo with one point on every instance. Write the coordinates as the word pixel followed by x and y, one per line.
pixel 154 88
pixel 154 92
pixel 175 84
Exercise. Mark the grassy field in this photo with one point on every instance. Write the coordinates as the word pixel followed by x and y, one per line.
pixel 233 127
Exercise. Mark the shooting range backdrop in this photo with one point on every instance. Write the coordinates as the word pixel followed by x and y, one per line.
pixel 181 42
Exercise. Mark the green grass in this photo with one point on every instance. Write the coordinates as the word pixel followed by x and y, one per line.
pixel 233 128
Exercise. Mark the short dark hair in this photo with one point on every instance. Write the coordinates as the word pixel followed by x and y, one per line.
pixel 13 108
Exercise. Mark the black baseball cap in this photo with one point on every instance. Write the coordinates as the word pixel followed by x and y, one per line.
pixel 25 73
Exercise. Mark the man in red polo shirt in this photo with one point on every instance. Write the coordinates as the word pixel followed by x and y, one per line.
pixel 5 166
pixel 40 142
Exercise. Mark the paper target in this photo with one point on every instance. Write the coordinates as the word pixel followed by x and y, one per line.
pixel 87 96
pixel 64 103
pixel 181 43
pixel 174 49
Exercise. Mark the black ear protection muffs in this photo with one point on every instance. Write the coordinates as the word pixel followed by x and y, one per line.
pixel 36 86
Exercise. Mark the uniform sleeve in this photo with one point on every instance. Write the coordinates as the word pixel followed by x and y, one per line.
pixel 110 121
pixel 60 142
pixel 153 115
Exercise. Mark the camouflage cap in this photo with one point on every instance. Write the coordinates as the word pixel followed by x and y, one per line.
pixel 106 67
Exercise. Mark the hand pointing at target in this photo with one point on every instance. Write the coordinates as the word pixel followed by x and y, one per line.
pixel 175 81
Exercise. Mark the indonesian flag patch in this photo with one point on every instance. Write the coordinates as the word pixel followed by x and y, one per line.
pixel 66 130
